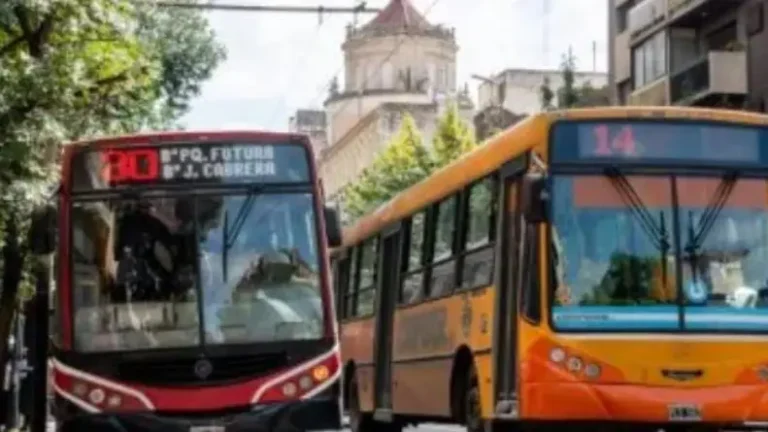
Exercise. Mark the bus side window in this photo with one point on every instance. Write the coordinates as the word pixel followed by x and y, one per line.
pixel 366 292
pixel 342 268
pixel 442 275
pixel 413 266
pixel 350 291
pixel 479 234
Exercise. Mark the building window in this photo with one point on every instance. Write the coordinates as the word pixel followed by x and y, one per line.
pixel 755 19
pixel 650 59
pixel 387 73
pixel 722 38
pixel 683 49
pixel 621 16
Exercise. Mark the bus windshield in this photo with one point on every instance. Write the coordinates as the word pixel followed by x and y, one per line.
pixel 615 257
pixel 167 271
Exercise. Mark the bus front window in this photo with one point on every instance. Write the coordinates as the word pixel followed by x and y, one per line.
pixel 133 274
pixel 259 270
pixel 724 232
pixel 616 261
pixel 615 265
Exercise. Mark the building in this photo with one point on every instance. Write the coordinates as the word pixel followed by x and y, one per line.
pixel 518 90
pixel 688 52
pixel 398 62
pixel 513 94
pixel 312 123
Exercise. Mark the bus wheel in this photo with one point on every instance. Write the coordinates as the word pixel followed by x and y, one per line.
pixel 473 417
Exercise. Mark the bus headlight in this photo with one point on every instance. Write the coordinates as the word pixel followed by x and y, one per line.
pixel 289 389
pixel 592 371
pixel 574 364
pixel 305 382
pixel 96 396
pixel 557 355
pixel 114 401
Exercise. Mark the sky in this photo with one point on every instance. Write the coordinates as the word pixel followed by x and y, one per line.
pixel 279 62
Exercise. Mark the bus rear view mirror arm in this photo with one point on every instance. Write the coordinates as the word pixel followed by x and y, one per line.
pixel 42 232
pixel 332 227
pixel 535 198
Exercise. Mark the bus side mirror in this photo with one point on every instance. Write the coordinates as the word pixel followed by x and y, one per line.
pixel 535 198
pixel 42 231
pixel 333 227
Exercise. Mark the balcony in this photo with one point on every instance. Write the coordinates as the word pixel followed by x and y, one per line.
pixel 653 94
pixel 695 13
pixel 718 74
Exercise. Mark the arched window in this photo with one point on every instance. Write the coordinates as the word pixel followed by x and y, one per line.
pixel 387 75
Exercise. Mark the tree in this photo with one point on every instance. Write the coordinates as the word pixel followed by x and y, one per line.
pixel 402 163
pixel 569 95
pixel 76 68
pixel 452 138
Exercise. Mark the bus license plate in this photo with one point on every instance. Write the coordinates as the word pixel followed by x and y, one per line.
pixel 684 412
pixel 206 429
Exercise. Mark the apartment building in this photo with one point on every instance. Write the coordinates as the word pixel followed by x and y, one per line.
pixel 689 52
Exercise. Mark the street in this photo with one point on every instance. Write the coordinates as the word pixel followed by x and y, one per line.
pixel 429 427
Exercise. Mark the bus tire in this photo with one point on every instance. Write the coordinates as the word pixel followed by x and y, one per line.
pixel 471 407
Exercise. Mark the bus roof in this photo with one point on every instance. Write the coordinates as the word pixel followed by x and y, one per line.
pixel 507 145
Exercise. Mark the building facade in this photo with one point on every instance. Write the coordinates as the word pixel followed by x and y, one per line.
pixel 398 62
pixel 313 124
pixel 518 90
pixel 689 52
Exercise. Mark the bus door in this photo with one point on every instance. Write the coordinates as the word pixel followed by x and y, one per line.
pixel 505 315
pixel 386 301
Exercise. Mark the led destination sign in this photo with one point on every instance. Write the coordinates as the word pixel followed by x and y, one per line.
pixel 658 142
pixel 174 164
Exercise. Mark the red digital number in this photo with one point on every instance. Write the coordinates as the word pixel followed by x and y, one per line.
pixel 603 141
pixel 125 166
pixel 621 143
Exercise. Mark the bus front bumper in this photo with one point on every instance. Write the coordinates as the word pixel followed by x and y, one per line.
pixel 295 416
pixel 745 405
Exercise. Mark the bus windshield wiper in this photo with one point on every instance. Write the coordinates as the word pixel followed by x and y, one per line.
pixel 229 237
pixel 657 234
pixel 697 236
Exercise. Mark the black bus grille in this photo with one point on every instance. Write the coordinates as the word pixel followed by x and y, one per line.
pixel 181 372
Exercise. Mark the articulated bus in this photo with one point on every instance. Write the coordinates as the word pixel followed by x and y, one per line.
pixel 602 267
pixel 193 287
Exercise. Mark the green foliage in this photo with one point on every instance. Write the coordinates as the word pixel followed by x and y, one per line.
pixel 452 138
pixel 71 69
pixel 569 95
pixel 403 162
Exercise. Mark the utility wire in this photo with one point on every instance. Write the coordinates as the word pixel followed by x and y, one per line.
pixel 362 8
pixel 394 51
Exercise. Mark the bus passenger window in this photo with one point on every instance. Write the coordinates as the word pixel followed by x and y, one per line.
pixel 367 285
pixel 413 277
pixel 349 289
pixel 342 284
pixel 478 261
pixel 442 279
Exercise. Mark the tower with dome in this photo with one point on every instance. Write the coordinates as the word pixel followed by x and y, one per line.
pixel 398 62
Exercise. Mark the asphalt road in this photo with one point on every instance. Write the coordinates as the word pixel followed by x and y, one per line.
pixel 429 427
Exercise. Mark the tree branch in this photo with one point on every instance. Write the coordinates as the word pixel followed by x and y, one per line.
pixel 36 38
pixel 12 45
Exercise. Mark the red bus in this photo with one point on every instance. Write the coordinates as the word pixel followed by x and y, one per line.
pixel 193 287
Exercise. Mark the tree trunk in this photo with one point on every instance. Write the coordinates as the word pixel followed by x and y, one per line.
pixel 12 264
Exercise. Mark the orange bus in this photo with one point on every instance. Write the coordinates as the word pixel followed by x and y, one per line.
pixel 601 267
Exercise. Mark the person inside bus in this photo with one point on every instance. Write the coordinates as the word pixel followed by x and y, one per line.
pixel 154 261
